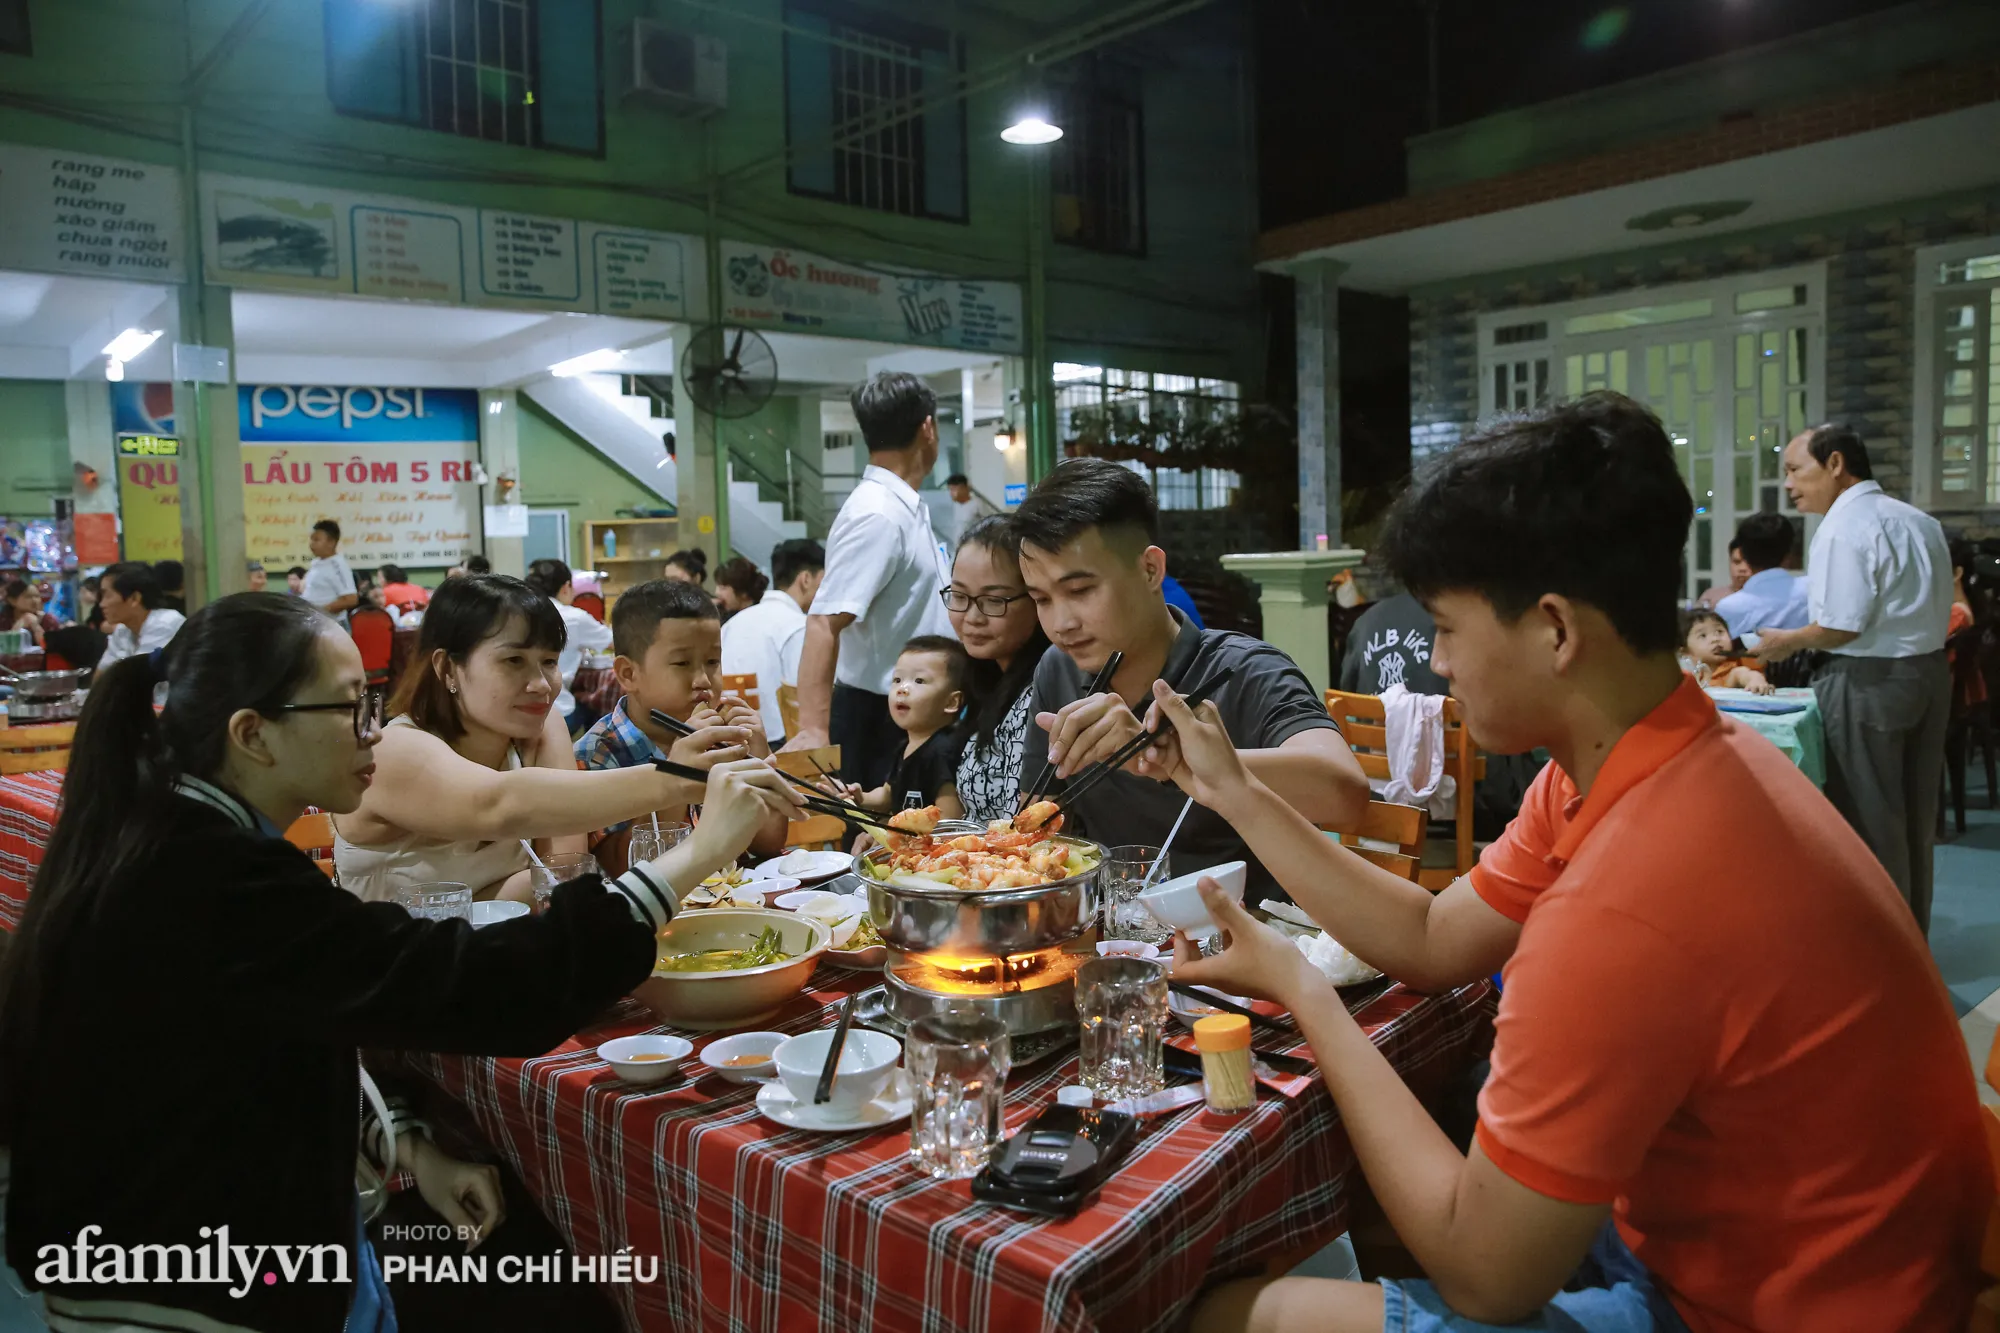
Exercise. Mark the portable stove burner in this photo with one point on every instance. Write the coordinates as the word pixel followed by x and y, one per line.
pixel 1029 992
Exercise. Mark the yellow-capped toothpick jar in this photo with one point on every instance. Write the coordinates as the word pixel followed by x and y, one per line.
pixel 1224 1042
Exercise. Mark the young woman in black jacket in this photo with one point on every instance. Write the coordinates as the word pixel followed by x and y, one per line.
pixel 180 1012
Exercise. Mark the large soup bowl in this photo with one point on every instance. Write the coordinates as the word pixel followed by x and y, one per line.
pixel 710 1001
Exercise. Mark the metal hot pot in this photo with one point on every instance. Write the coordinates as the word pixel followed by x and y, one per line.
pixel 1011 954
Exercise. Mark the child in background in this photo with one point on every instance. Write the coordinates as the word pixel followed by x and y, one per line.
pixel 1705 642
pixel 668 637
pixel 926 695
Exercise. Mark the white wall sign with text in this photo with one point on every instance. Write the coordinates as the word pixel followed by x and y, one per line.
pixel 781 288
pixel 105 217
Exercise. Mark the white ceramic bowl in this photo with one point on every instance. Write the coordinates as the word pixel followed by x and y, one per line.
pixel 717 1055
pixel 486 913
pixel 1177 902
pixel 706 1001
pixel 774 887
pixel 648 1058
pixel 867 1059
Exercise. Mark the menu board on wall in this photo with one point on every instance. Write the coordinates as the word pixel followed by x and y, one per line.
pixel 790 289
pixel 105 217
pixel 393 466
pixel 306 238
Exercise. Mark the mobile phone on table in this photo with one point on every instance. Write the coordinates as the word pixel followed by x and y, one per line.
pixel 1056 1160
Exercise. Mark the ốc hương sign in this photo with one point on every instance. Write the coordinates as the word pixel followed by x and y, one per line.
pixel 395 467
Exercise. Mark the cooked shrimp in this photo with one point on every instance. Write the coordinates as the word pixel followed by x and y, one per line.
pixel 1036 815
pixel 922 822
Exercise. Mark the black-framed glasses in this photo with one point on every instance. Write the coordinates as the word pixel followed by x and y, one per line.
pixel 367 711
pixel 992 605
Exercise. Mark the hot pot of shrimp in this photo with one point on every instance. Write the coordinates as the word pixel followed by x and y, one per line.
pixel 1013 887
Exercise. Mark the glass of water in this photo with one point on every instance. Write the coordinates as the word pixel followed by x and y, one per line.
pixel 958 1064
pixel 1122 1005
pixel 650 841
pixel 560 868
pixel 1123 874
pixel 437 902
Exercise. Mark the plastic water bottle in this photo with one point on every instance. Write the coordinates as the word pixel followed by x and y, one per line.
pixel 611 545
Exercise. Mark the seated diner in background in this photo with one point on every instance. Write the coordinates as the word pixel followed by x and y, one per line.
pixel 764 640
pixel 1090 556
pixel 1773 595
pixel 173 930
pixel 128 595
pixel 1705 644
pixel 401 595
pixel 1727 1101
pixel 582 633
pixel 23 610
pixel 475 760
pixel 668 637
pixel 994 617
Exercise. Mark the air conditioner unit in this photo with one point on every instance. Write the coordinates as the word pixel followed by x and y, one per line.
pixel 682 71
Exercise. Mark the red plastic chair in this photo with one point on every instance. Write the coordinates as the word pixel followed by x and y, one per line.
pixel 592 602
pixel 374 632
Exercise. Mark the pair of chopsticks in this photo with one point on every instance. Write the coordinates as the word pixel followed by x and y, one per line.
pixel 824 1092
pixel 816 800
pixel 1098 685
pixel 1103 769
pixel 1214 1001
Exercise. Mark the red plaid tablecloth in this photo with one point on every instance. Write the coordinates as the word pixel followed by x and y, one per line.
pixel 762 1228
pixel 27 814
pixel 597 689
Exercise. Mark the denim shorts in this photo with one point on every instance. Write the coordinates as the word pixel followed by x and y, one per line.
pixel 1611 1293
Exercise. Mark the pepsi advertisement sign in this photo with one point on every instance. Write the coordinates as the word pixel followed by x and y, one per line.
pixel 326 414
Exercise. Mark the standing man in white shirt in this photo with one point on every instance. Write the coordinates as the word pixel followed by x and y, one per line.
pixel 582 632
pixel 129 595
pixel 765 640
pixel 329 583
pixel 884 569
pixel 1880 599
pixel 966 508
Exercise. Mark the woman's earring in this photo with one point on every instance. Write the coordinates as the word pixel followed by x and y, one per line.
pixel 452 686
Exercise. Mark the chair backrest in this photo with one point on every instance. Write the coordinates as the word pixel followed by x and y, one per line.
pixel 1396 863
pixel 817 832
pixel 36 749
pixel 374 632
pixel 311 832
pixel 1962 650
pixel 592 602
pixel 808 763
pixel 743 686
pixel 1363 721
pixel 1385 821
pixel 788 708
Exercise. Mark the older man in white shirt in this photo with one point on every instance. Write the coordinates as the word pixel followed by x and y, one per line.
pixel 129 595
pixel 884 569
pixel 765 640
pixel 1880 599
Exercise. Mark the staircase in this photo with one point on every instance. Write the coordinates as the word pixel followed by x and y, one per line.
pixel 622 427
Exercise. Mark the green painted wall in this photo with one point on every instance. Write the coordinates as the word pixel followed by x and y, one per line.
pixel 34 447
pixel 105 78
pixel 560 471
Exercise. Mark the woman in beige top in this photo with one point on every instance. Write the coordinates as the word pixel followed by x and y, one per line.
pixel 477 763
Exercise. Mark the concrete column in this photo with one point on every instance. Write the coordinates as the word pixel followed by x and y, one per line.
pixel 205 415
pixel 697 479
pixel 1291 589
pixel 500 455
pixel 88 408
pixel 1316 294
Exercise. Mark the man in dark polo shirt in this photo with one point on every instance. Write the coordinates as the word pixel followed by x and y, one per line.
pixel 1091 558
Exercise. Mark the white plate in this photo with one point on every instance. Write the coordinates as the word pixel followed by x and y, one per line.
pixel 890 1108
pixel 804 866
pixel 1188 1010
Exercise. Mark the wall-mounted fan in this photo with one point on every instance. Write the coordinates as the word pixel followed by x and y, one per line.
pixel 729 371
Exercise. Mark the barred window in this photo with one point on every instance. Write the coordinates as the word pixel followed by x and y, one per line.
pixel 1097 170
pixel 523 72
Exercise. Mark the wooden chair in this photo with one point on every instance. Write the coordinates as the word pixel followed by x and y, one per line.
pixel 743 686
pixel 807 763
pixel 313 834
pixel 788 708
pixel 36 749
pixel 374 632
pixel 1385 821
pixel 592 602
pixel 1362 718
pixel 819 833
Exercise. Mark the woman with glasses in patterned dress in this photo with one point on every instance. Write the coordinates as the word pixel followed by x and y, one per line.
pixel 995 620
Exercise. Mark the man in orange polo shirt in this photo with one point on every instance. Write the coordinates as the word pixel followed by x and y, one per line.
pixel 1728 1090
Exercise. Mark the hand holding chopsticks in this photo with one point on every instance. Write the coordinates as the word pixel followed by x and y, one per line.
pixel 1082 782
pixel 1098 685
